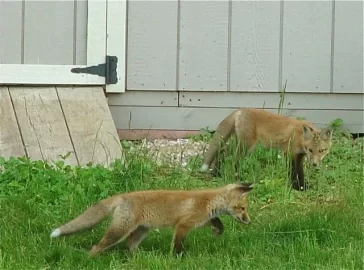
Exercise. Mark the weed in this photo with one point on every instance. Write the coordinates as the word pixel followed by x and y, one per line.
pixel 321 228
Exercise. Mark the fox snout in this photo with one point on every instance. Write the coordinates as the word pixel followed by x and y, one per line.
pixel 243 219
pixel 316 165
pixel 316 162
pixel 246 219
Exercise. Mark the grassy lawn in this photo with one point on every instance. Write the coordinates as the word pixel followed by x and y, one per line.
pixel 318 229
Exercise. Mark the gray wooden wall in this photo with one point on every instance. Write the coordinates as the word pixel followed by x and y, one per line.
pixel 317 46
pixel 190 63
pixel 43 32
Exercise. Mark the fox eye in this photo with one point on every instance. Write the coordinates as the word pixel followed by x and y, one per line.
pixel 309 149
pixel 322 150
pixel 243 208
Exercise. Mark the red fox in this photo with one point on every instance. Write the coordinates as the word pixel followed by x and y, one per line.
pixel 135 214
pixel 297 138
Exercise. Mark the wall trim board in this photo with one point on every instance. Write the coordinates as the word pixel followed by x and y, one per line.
pixel 301 101
pixel 152 134
pixel 144 98
pixel 180 118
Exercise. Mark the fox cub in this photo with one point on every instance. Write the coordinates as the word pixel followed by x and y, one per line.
pixel 296 138
pixel 135 214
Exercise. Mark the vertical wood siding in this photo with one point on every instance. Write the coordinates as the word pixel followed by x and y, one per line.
pixel 10 32
pixel 317 46
pixel 306 52
pixel 348 44
pixel 203 50
pixel 152 43
pixel 43 32
pixel 255 45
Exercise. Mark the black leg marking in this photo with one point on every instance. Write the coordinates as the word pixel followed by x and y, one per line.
pixel 217 226
pixel 297 174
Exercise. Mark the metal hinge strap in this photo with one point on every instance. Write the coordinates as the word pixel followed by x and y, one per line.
pixel 107 70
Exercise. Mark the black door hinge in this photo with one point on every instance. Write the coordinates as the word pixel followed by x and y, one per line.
pixel 107 70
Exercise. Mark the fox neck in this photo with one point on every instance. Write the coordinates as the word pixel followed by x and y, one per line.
pixel 215 212
pixel 218 207
pixel 300 151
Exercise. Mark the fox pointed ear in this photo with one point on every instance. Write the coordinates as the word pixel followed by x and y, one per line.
pixel 307 131
pixel 247 184
pixel 245 187
pixel 326 133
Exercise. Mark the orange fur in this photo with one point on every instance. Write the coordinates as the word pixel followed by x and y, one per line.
pixel 297 138
pixel 136 213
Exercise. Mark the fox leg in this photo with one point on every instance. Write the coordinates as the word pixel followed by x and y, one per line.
pixel 215 167
pixel 222 134
pixel 136 237
pixel 216 162
pixel 180 233
pixel 221 154
pixel 112 236
pixel 244 147
pixel 297 173
pixel 238 155
pixel 216 225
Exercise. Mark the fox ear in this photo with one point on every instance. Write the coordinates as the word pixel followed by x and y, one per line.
pixel 245 187
pixel 246 184
pixel 326 133
pixel 307 131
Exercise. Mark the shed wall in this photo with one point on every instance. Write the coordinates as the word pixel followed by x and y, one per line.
pixel 190 63
pixel 195 61
pixel 43 32
pixel 317 46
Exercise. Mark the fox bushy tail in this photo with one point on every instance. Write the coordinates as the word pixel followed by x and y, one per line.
pixel 87 220
pixel 221 135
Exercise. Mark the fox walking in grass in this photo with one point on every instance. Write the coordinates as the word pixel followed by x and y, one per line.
pixel 296 138
pixel 135 214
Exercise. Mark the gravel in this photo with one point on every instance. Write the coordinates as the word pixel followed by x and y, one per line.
pixel 173 152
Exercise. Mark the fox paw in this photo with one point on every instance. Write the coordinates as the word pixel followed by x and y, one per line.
pixel 217 231
pixel 301 188
pixel 95 250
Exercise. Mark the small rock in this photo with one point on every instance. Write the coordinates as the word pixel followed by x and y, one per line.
pixel 174 152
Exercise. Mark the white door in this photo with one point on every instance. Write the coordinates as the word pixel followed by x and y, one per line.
pixel 105 54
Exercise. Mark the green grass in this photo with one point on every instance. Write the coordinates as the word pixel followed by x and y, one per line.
pixel 318 229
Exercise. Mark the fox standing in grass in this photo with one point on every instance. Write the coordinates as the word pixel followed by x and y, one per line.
pixel 136 213
pixel 297 138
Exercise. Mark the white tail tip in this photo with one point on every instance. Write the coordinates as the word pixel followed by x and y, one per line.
pixel 204 168
pixel 56 233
